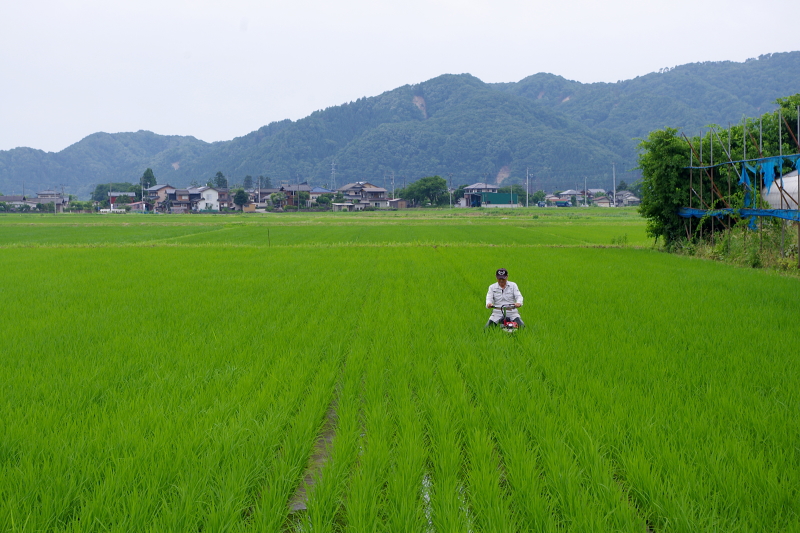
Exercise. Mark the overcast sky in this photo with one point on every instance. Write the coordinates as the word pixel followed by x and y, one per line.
pixel 220 69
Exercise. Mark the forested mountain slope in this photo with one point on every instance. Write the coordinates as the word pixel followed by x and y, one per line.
pixel 561 130
pixel 687 96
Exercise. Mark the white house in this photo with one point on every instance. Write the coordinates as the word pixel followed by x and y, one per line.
pixel 480 187
pixel 364 194
pixel 209 199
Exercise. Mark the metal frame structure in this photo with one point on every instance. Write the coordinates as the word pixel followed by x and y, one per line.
pixel 717 206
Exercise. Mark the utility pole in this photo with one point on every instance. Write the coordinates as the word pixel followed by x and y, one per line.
pixel 450 189
pixel 614 174
pixel 527 186
pixel 393 196
pixel 585 194
pixel 333 174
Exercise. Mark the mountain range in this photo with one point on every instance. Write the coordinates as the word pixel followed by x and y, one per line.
pixel 456 126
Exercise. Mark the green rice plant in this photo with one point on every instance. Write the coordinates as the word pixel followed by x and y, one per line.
pixel 447 503
pixel 186 386
pixel 325 495
pixel 366 502
pixel 405 477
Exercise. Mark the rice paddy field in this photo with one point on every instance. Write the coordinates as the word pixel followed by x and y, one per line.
pixel 330 372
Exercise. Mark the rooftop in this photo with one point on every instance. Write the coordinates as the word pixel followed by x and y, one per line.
pixel 481 185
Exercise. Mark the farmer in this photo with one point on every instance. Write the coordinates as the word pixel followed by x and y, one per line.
pixel 505 293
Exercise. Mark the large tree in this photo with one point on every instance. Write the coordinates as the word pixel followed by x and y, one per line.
pixel 100 193
pixel 240 198
pixel 148 178
pixel 248 182
pixel 219 181
pixel 303 197
pixel 431 188
pixel 665 181
pixel 277 198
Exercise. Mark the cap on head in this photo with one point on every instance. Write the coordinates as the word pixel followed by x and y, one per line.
pixel 501 273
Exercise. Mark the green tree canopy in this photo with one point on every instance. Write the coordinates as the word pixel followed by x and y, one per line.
pixel 240 197
pixel 248 182
pixel 148 179
pixel 303 197
pixel 219 181
pixel 662 161
pixel 516 188
pixel 431 189
pixel 100 193
pixel 277 198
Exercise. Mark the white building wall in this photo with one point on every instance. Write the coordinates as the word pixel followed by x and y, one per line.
pixel 210 200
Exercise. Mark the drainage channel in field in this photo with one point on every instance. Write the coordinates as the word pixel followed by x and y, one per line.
pixel 319 457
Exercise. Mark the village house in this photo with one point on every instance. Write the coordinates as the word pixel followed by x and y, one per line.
pixel 224 198
pixel 50 196
pixel 569 193
pixel 158 193
pixel 626 199
pixel 113 196
pixel 481 187
pixel 208 200
pixel 260 197
pixel 363 194
pixel 183 200
pixel 292 192
pixel 602 201
pixel 42 198
pixel 138 207
pixel 486 195
pixel 16 201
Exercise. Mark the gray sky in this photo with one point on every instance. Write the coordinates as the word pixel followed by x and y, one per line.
pixel 220 69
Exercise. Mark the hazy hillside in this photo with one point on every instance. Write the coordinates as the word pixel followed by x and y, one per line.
pixel 454 125
pixel 687 97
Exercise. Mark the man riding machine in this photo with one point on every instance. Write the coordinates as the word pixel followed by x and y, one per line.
pixel 504 299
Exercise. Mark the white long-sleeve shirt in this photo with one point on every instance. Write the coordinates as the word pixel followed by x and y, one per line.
pixel 498 296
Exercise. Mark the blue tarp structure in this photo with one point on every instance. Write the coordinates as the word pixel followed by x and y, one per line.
pixel 770 168
pixel 785 214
